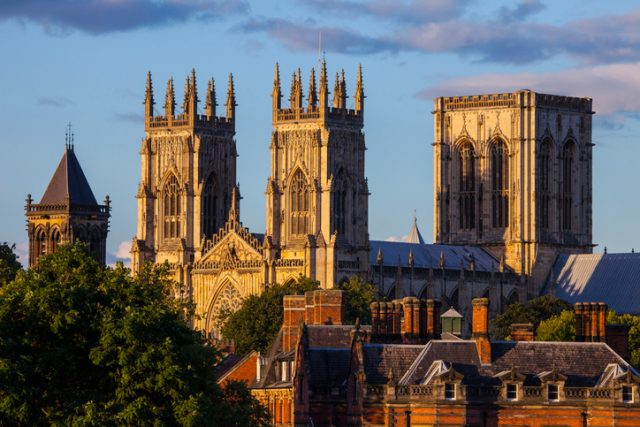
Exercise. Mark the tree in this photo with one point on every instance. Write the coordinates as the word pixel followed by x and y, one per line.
pixel 534 311
pixel 9 265
pixel 256 323
pixel 358 298
pixel 634 333
pixel 561 327
pixel 85 344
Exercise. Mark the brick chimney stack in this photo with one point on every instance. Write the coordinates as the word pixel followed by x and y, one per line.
pixel 521 332
pixel 294 315
pixel 480 328
pixel 591 318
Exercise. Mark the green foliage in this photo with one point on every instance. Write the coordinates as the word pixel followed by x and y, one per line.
pixel 634 333
pixel 256 323
pixel 86 345
pixel 358 298
pixel 534 311
pixel 9 265
pixel 561 327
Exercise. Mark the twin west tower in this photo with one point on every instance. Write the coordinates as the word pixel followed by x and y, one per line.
pixel 317 194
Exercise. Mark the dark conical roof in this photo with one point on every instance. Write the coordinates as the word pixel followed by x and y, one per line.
pixel 68 182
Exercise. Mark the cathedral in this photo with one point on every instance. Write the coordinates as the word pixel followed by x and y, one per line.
pixel 512 190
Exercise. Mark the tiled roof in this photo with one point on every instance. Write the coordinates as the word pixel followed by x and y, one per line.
pixel 329 366
pixel 331 335
pixel 610 278
pixel 68 183
pixel 380 358
pixel 428 255
pixel 581 363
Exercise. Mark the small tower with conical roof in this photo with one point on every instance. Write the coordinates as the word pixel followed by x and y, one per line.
pixel 68 211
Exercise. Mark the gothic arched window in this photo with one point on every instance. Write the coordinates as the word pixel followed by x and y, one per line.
pixel 467 187
pixel 500 184
pixel 568 153
pixel 339 195
pixel 55 240
pixel 171 201
pixel 544 186
pixel 41 243
pixel 299 198
pixel 210 207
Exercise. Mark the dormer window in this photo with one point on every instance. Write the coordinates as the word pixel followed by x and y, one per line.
pixel 450 391
pixel 512 392
pixel 553 393
pixel 627 394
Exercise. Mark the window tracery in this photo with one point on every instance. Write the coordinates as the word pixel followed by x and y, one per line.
pixel 339 195
pixel 466 161
pixel 210 207
pixel 299 199
pixel 171 200
pixel 500 184
pixel 544 192
pixel 567 176
pixel 227 301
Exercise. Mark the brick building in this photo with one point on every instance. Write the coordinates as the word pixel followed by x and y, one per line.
pixel 400 371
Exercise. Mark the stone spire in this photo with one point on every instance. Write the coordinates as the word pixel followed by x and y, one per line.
pixel 295 98
pixel 379 258
pixel 170 100
pixel 414 234
pixel 231 99
pixel 324 89
pixel 185 101
pixel 210 108
pixel 193 95
pixel 234 210
pixel 313 94
pixel 148 98
pixel 276 95
pixel 359 91
pixel 337 95
pixel 343 89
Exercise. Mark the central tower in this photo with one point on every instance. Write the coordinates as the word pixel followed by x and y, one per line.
pixel 317 193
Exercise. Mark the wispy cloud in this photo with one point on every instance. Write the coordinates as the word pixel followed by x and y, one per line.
pixel 304 36
pixel 412 11
pixel 55 101
pixel 396 238
pixel 129 117
pixel 22 251
pixel 505 39
pixel 614 88
pixel 104 16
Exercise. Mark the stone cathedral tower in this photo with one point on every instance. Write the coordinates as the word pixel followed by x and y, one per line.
pixel 317 193
pixel 188 176
pixel 513 174
pixel 67 212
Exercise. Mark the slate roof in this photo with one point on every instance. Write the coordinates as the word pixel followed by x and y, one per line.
pixel 610 278
pixel 68 182
pixel 329 366
pixel 582 363
pixel 334 336
pixel 428 255
pixel 380 358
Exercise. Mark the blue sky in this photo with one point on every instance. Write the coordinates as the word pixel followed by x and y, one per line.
pixel 85 61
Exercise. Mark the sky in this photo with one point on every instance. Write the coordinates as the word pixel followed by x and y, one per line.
pixel 85 62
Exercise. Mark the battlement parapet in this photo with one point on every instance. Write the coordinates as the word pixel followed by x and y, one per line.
pixel 513 100
pixel 183 120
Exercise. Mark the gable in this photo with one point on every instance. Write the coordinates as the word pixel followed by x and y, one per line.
pixel 231 251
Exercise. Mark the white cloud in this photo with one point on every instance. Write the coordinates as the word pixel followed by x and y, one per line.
pixel 22 251
pixel 121 254
pixel 396 238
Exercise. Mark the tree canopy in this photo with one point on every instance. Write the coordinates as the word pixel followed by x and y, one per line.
pixel 534 311
pixel 358 296
pixel 257 322
pixel 634 333
pixel 561 327
pixel 9 264
pixel 83 344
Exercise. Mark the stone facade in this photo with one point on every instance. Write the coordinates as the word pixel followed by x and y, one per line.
pixel 188 201
pixel 513 174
